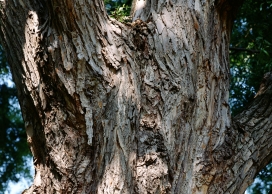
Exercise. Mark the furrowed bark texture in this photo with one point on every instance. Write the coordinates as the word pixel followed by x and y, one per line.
pixel 132 108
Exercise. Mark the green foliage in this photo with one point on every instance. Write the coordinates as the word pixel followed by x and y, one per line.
pixel 121 13
pixel 251 31
pixel 13 147
pixel 119 9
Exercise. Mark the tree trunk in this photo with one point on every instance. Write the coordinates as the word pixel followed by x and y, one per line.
pixel 133 108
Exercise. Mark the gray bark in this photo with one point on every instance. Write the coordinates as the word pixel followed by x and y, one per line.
pixel 132 108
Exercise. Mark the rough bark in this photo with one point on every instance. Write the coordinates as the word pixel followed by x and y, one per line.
pixel 132 108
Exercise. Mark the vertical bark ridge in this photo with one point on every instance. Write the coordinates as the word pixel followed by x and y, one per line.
pixel 189 41
pixel 94 73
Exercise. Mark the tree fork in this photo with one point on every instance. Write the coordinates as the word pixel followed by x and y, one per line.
pixel 132 108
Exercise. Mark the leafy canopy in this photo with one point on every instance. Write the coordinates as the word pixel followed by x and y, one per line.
pixel 251 51
pixel 118 9
pixel 13 145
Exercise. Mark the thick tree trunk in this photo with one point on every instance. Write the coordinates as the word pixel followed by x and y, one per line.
pixel 132 108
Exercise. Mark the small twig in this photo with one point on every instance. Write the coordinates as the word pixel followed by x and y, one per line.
pixel 244 49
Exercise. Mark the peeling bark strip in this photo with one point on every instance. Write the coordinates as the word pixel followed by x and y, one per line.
pixel 132 108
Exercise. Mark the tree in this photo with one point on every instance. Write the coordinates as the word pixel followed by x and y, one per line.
pixel 137 107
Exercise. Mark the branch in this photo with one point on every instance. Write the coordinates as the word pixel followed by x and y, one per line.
pixel 249 140
pixel 255 125
pixel 244 49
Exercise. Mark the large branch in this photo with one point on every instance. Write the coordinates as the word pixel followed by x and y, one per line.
pixel 256 122
pixel 254 127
